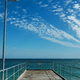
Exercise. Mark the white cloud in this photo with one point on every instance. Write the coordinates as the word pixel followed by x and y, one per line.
pixel 70 10
pixel 1 15
pixel 58 9
pixel 76 6
pixel 24 10
pixel 74 24
pixel 9 19
pixel 74 20
pixel 67 14
pixel 64 34
pixel 46 31
pixel 31 28
pixel 17 24
pixel 78 14
pixel 45 5
pixel 76 28
pixel 15 12
pixel 35 19
pixel 57 13
pixel 62 15
pixel 40 2
pixel 67 2
pixel 54 6
pixel 61 42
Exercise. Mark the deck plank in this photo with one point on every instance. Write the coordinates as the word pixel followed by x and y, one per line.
pixel 39 75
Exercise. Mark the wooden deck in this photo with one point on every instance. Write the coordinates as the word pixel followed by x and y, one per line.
pixel 39 75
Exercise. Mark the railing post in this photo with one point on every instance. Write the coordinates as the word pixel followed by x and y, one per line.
pixel 6 74
pixel 57 68
pixel 70 72
pixel 18 70
pixel 13 73
pixel 28 66
pixel 21 69
pixel 41 65
pixel 53 66
pixel 50 65
pixel 38 65
pixel 64 71
pixel 25 65
pixel 60 69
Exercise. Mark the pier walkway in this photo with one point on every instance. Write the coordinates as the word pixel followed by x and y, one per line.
pixel 39 75
pixel 40 71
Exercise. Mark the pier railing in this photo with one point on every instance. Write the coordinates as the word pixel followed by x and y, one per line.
pixel 12 73
pixel 68 72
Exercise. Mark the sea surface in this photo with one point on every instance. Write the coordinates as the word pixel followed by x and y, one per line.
pixel 68 62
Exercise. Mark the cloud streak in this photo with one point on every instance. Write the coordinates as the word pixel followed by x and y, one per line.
pixel 68 13
pixel 1 15
pixel 45 5
pixel 46 30
pixel 61 42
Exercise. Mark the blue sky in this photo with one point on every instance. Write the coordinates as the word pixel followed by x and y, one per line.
pixel 41 29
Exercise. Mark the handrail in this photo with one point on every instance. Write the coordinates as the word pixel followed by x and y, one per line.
pixel 19 67
pixel 1 70
pixel 55 63
pixel 38 62
pixel 69 72
pixel 69 66
pixel 59 68
pixel 12 67
pixel 13 74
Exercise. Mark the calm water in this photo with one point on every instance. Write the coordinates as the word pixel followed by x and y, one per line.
pixel 69 62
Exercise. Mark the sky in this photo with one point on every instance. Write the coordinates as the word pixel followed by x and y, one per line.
pixel 41 29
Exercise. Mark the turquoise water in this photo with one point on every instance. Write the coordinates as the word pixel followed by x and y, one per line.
pixel 68 62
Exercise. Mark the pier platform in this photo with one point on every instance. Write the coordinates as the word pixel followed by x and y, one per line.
pixel 39 75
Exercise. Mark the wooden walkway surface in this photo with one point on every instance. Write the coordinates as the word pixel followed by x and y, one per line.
pixel 39 75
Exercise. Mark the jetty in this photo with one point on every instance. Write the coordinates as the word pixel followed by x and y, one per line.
pixel 40 71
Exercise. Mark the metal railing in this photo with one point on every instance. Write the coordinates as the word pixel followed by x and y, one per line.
pixel 68 72
pixel 12 73
pixel 38 65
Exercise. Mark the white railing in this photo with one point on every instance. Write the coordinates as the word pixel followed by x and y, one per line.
pixel 65 71
pixel 68 72
pixel 12 73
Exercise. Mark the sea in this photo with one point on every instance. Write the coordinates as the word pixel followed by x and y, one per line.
pixel 66 65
